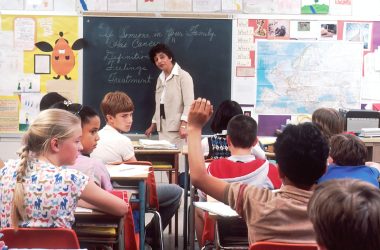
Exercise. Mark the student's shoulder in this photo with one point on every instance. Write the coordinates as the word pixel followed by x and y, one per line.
pixel 110 134
pixel 249 192
pixel 9 166
pixel 373 170
pixel 73 175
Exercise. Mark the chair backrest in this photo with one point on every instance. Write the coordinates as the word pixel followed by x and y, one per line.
pixel 231 233
pixel 63 238
pixel 267 245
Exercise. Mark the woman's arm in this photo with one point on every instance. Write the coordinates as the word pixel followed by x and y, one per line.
pixel 152 128
pixel 103 200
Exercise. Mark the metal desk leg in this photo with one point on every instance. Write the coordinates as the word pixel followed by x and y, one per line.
pixel 142 190
pixel 191 219
pixel 186 187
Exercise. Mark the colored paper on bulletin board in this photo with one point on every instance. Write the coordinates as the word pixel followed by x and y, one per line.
pixel 268 124
pixel 9 114
pixel 47 29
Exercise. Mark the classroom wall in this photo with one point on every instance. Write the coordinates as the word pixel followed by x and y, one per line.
pixel 246 15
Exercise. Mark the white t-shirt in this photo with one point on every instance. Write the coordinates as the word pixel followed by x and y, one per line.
pixel 113 146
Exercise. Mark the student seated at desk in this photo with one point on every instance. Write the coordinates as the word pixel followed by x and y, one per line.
pixel 348 154
pixel 329 121
pixel 90 121
pixel 50 99
pixel 301 153
pixel 36 191
pixel 117 109
pixel 241 167
pixel 215 146
pixel 345 215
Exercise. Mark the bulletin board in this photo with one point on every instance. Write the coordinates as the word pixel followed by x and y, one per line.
pixel 27 71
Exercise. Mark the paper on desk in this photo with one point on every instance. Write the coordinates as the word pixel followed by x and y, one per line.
pixel 218 208
pixel 82 210
pixel 159 144
pixel 127 170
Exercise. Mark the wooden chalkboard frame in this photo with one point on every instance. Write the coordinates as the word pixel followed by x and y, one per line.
pixel 203 47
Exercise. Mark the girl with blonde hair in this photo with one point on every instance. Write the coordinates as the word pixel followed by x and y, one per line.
pixel 36 191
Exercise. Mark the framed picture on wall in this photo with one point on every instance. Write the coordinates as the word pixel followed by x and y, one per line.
pixel 41 64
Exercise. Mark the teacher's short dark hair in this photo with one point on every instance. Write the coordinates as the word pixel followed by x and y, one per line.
pixel 161 48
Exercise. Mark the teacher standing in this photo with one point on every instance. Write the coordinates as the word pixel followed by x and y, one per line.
pixel 174 95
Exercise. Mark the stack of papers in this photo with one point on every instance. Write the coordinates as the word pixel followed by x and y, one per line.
pixel 156 144
pixel 127 170
pixel 83 210
pixel 370 132
pixel 217 208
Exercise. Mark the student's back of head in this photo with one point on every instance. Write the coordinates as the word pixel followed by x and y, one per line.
pixel 301 153
pixel 329 121
pixel 50 99
pixel 242 131
pixel 346 215
pixel 116 102
pixel 348 150
pixel 226 110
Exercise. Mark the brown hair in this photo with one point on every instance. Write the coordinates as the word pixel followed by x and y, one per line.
pixel 345 215
pixel 49 124
pixel 348 150
pixel 329 121
pixel 116 102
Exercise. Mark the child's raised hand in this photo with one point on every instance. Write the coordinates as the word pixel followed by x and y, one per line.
pixel 200 112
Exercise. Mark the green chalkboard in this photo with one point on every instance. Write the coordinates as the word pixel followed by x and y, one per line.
pixel 116 58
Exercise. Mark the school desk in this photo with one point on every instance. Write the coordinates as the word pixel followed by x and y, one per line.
pixel 373 147
pixel 230 229
pixel 163 160
pixel 95 227
pixel 188 222
pixel 136 177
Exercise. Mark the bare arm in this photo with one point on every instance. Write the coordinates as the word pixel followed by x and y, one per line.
pixel 133 158
pixel 102 200
pixel 152 128
pixel 200 113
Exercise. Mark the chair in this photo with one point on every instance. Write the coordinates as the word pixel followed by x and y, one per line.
pixel 231 233
pixel 63 238
pixel 267 245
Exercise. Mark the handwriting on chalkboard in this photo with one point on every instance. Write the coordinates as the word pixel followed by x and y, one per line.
pixel 126 50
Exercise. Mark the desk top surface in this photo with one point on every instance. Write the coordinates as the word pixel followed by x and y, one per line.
pixel 128 171
pixel 370 139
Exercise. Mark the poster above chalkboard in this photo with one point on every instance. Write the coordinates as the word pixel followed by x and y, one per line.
pixel 116 58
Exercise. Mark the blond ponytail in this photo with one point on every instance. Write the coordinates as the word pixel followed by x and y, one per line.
pixel 18 210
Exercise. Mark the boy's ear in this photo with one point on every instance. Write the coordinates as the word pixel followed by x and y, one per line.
pixel 109 118
pixel 54 145
pixel 228 138
pixel 280 173
pixel 255 142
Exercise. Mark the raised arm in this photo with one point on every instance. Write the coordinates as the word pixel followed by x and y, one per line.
pixel 200 112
